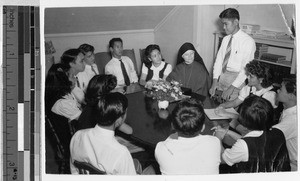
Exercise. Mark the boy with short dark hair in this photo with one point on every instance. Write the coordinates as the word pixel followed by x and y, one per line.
pixel 288 123
pixel 98 146
pixel 120 66
pixel 188 151
pixel 91 68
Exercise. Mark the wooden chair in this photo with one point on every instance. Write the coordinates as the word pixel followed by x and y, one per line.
pixel 130 53
pixel 101 59
pixel 87 169
pixel 142 54
pixel 62 155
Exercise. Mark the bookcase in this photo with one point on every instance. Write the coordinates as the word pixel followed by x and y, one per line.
pixel 280 68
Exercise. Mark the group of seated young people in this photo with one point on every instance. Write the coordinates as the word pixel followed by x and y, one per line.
pixel 76 92
pixel 74 86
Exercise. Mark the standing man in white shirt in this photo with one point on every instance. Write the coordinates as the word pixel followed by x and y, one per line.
pixel 91 68
pixel 120 66
pixel 236 50
pixel 288 121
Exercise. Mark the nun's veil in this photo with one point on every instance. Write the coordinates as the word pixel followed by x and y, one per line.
pixel 185 47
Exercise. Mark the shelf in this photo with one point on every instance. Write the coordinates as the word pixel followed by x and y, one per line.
pixel 274 63
pixel 285 43
pixel 275 42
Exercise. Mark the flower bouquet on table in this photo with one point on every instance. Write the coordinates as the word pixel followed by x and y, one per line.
pixel 165 91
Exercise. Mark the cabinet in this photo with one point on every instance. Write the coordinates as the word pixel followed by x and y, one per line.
pixel 280 69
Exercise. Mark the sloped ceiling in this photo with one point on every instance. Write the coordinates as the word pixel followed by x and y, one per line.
pixel 99 19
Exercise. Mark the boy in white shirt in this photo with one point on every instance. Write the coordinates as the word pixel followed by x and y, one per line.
pixel 188 151
pixel 91 68
pixel 120 66
pixel 288 122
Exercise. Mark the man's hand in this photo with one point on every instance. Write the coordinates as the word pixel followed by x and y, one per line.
pixel 227 93
pixel 212 90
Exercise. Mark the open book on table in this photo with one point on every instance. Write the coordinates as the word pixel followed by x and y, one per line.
pixel 210 113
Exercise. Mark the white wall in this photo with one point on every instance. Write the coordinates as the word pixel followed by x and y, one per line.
pixel 195 24
pixel 174 30
pixel 268 16
pixel 135 39
pixel 206 23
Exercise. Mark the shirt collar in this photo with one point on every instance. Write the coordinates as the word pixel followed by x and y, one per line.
pixel 103 132
pixel 88 67
pixel 116 59
pixel 189 138
pixel 237 33
pixel 161 66
pixel 254 133
pixel 262 91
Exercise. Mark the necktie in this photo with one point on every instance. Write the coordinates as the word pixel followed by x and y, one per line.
pixel 126 78
pixel 227 55
pixel 77 81
pixel 94 70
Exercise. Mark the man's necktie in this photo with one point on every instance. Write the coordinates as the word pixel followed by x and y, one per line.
pixel 77 81
pixel 126 78
pixel 94 70
pixel 227 55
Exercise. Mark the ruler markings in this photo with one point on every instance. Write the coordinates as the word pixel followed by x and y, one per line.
pixel 10 124
pixel 21 64
pixel 20 55
pixel 36 99
pixel 26 30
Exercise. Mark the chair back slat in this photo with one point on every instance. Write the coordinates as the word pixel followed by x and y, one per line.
pixel 101 59
pixel 87 168
pixel 130 53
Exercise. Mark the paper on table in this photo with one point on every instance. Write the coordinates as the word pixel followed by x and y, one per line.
pixel 210 113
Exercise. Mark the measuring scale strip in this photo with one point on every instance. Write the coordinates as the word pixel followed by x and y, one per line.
pixel 10 94
pixel 20 58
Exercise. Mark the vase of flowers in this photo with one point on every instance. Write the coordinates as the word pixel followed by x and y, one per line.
pixel 165 92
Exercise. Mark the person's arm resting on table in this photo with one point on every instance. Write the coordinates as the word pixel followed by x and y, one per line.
pixel 234 103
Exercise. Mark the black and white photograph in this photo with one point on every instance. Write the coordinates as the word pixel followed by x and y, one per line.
pixel 164 90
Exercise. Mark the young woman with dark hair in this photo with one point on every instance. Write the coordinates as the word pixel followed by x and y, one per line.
pixel 99 86
pixel 261 149
pixel 154 66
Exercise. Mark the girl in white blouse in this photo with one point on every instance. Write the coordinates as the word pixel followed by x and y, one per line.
pixel 154 67
pixel 259 84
